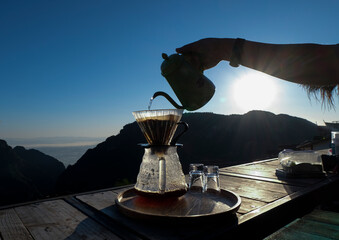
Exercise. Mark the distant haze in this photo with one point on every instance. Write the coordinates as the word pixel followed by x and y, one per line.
pixel 68 150
pixel 54 141
pixel 67 155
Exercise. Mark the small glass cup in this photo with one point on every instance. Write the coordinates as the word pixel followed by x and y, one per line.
pixel 211 179
pixel 196 177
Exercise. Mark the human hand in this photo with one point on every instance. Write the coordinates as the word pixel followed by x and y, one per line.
pixel 206 53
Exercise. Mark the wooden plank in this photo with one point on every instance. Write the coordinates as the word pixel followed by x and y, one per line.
pixel 275 163
pixel 310 227
pixel 266 166
pixel 266 170
pixel 11 226
pixel 303 200
pixel 99 200
pixel 103 219
pixel 317 228
pixel 252 172
pixel 297 182
pixel 117 191
pixel 272 161
pixel 323 216
pixel 257 190
pixel 248 205
pixel 59 220
pixel 292 234
pixel 65 196
pixel 259 184
pixel 103 202
pixel 270 176
pixel 261 171
pixel 268 185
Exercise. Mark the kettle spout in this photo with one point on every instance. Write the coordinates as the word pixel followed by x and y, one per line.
pixel 165 95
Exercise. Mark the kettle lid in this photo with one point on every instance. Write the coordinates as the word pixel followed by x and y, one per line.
pixel 170 63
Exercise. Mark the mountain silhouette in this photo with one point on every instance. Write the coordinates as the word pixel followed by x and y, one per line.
pixel 26 174
pixel 211 139
pixel 113 162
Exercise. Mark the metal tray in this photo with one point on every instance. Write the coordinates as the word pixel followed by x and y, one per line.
pixel 191 206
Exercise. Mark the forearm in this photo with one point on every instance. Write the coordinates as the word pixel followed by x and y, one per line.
pixel 308 64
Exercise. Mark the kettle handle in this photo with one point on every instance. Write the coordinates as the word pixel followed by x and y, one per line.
pixel 160 93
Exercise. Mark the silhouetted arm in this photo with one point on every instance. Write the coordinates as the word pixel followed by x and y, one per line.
pixel 312 64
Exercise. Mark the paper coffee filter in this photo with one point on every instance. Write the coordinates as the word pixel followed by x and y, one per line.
pixel 158 113
pixel 158 126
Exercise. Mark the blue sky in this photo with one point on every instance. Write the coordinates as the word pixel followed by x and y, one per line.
pixel 79 68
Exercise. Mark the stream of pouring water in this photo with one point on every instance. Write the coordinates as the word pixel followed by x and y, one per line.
pixel 150 103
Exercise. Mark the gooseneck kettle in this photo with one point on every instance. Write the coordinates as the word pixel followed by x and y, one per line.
pixel 191 87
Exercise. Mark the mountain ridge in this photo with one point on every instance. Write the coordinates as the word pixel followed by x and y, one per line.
pixel 26 174
pixel 216 139
pixel 211 139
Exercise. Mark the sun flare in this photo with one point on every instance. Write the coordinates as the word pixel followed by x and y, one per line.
pixel 254 91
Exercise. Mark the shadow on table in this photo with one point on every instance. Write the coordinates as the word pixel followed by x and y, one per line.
pixel 129 227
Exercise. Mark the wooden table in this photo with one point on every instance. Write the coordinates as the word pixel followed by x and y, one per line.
pixel 268 203
pixel 318 224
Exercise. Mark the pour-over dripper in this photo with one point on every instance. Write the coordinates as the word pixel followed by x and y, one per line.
pixel 160 173
pixel 158 126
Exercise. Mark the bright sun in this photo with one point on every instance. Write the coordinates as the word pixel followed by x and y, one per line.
pixel 254 91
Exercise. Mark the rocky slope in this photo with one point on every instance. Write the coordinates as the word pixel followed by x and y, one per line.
pixel 26 174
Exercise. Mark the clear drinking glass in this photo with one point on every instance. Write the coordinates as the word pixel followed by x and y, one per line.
pixel 211 179
pixel 196 177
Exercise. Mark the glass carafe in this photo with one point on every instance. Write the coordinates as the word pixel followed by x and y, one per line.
pixel 161 173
